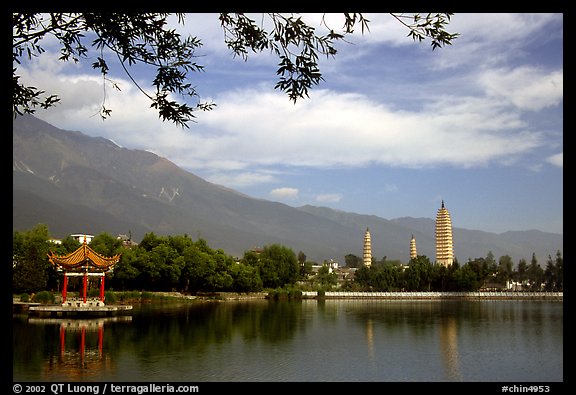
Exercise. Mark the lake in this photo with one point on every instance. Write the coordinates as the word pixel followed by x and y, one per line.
pixel 304 340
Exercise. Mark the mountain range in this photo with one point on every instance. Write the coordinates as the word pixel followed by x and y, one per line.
pixel 75 183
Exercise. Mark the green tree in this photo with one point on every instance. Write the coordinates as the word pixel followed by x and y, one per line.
pixel 301 258
pixel 167 264
pixel 520 275
pixel 197 268
pixel 535 274
pixel 384 277
pixel 68 245
pixel 352 260
pixel 418 275
pixel 30 265
pixel 362 278
pixel 126 273
pixel 559 271
pixel 105 244
pixel 480 267
pixel 245 278
pixel 440 278
pixel 553 273
pixel 466 279
pixel 180 242
pixel 149 241
pixel 306 270
pixel 221 278
pixel 504 272
pixel 146 39
pixel 491 265
pixel 251 258
pixel 325 279
pixel 278 266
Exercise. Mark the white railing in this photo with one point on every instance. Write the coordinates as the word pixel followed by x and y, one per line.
pixel 435 295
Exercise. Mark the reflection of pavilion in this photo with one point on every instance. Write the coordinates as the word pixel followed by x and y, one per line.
pixel 81 353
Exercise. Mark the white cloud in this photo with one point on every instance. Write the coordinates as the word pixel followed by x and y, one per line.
pixel 258 128
pixel 499 27
pixel 527 88
pixel 492 40
pixel 391 188
pixel 556 160
pixel 390 103
pixel 329 197
pixel 284 193
pixel 242 179
pixel 342 129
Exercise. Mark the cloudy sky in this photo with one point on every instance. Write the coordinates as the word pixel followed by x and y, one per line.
pixel 394 128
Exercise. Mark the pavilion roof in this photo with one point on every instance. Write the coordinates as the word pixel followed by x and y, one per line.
pixel 83 258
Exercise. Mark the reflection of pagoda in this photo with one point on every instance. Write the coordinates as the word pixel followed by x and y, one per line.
pixel 83 262
pixel 449 347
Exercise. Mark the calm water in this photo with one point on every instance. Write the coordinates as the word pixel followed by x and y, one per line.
pixel 332 340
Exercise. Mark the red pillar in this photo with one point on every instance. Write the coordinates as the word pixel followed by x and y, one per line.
pixel 85 285
pixel 102 287
pixel 64 288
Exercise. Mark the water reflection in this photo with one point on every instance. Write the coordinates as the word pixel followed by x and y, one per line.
pixel 332 340
pixel 81 353
pixel 370 338
pixel 449 347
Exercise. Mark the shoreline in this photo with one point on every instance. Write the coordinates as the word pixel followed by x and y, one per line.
pixel 559 296
pixel 240 296
pixel 153 297
pixel 315 295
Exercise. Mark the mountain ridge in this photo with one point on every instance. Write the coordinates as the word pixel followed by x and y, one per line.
pixel 77 183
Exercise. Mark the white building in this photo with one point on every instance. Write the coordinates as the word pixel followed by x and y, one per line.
pixel 80 237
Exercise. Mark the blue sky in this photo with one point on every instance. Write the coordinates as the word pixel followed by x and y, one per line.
pixel 394 128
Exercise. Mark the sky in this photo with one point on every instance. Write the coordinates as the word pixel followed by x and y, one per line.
pixel 394 128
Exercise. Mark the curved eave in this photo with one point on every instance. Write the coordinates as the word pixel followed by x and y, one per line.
pixel 84 257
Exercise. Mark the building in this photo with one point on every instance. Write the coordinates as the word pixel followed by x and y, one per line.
pixel 413 252
pixel 367 248
pixel 444 242
pixel 81 237
pixel 127 241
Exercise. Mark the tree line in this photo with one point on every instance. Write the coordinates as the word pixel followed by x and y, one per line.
pixel 178 263
pixel 477 274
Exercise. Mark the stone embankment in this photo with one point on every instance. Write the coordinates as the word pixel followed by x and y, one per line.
pixel 436 295
pixel 215 295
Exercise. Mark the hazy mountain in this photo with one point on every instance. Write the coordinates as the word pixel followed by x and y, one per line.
pixel 81 184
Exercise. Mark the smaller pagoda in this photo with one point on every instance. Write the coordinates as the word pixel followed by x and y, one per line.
pixel 84 262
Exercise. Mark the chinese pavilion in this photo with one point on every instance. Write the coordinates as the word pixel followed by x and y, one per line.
pixel 83 262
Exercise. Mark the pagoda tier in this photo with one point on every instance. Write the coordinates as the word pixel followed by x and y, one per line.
pixel 83 259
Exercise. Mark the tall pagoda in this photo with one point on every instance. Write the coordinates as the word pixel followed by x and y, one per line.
pixel 413 251
pixel 367 254
pixel 444 242
pixel 84 262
